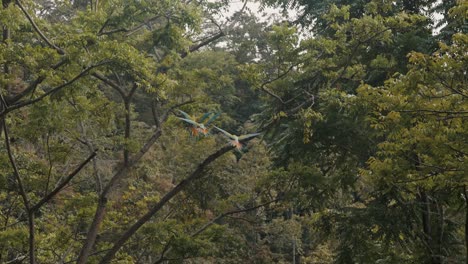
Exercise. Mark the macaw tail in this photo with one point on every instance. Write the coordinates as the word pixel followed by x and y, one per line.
pixel 194 131
pixel 237 144
pixel 204 131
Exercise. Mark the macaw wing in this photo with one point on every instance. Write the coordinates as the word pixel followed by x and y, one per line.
pixel 187 116
pixel 204 117
pixel 212 118
pixel 225 132
pixel 248 136
pixel 189 121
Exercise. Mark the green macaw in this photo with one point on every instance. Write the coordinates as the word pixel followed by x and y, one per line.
pixel 235 140
pixel 199 125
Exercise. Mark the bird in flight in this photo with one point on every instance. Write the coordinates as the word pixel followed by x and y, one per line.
pixel 236 140
pixel 199 125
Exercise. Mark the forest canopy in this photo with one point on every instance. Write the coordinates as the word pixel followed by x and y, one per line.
pixel 180 131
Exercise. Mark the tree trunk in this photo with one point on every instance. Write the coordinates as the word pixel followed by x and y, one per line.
pixel 32 245
pixel 435 255
pixel 6 36
pixel 165 199
pixel 127 131
pixel 93 231
pixel 466 222
pixel 80 4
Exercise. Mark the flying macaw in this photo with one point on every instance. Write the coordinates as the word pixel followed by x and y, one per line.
pixel 235 140
pixel 200 125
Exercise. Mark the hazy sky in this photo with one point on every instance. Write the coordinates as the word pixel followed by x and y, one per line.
pixel 236 5
pixel 266 13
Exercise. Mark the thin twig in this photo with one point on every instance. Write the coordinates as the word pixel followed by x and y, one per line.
pixel 36 28
pixel 280 76
pixel 168 248
pixel 432 111
pixel 52 91
pixel 32 87
pixel 31 242
pixel 196 174
pixel 64 182
pixel 109 82
pixel 22 191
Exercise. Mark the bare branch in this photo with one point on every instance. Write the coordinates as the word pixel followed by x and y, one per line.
pixel 444 83
pixel 34 84
pixel 204 227
pixel 100 32
pixel 174 191
pixel 38 31
pixel 307 103
pixel 132 91
pixel 202 44
pixel 135 29
pixel 109 82
pixel 18 259
pixel 432 111
pixel 282 75
pixel 156 120
pixel 166 114
pixel 22 191
pixel 168 248
pixel 52 91
pixel 63 183
pixel 210 39
pixel 354 53
pixel 103 198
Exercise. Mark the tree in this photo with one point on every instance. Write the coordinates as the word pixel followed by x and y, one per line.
pixel 71 77
pixel 362 45
pixel 362 157
pixel 422 118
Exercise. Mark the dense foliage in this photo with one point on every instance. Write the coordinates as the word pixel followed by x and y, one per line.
pixel 144 131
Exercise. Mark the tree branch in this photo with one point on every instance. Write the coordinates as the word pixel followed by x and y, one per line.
pixel 22 191
pixel 34 84
pixel 31 228
pixel 103 198
pixel 465 194
pixel 202 44
pixel 263 86
pixel 63 183
pixel 53 90
pixel 135 29
pixel 209 40
pixel 168 248
pixel 354 52
pixel 174 191
pixel 38 31
pixel 432 111
pixel 204 227
pixel 109 82
pixel 166 114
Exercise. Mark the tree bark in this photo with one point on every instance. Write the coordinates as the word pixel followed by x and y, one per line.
pixel 32 243
pixel 426 215
pixel 428 232
pixel 93 231
pixel 127 131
